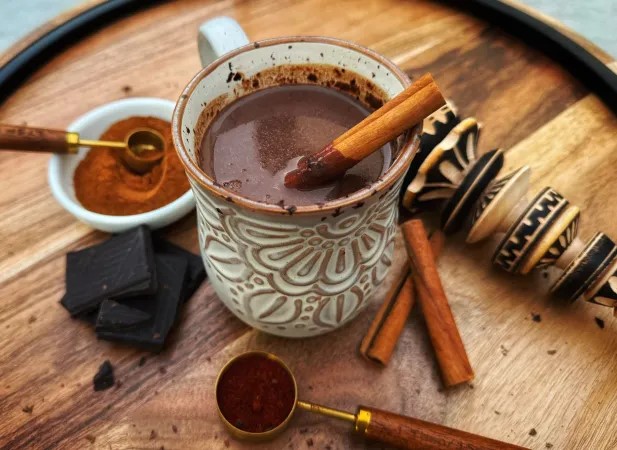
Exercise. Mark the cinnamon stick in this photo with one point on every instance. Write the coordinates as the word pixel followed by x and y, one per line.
pixel 444 334
pixel 405 110
pixel 385 330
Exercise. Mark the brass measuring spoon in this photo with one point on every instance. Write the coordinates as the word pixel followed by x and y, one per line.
pixel 374 424
pixel 142 149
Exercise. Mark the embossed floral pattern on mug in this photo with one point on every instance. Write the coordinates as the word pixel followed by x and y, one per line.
pixel 281 275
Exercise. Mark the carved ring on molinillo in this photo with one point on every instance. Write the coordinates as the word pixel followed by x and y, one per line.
pixel 598 254
pixel 519 241
pixel 497 201
pixel 451 171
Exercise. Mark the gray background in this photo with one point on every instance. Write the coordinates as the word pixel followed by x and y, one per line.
pixel 594 19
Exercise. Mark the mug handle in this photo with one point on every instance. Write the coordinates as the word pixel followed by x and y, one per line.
pixel 219 36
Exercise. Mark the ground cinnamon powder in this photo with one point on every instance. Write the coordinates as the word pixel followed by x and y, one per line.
pixel 104 184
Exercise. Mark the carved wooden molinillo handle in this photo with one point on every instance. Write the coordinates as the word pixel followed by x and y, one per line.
pixel 409 433
pixel 15 137
pixel 535 233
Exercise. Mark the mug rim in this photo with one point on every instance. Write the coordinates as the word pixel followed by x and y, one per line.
pixel 396 170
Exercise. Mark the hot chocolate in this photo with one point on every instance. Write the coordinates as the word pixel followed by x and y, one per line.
pixel 254 141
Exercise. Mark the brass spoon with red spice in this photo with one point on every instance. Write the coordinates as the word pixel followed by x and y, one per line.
pixel 256 396
pixel 404 111
pixel 142 149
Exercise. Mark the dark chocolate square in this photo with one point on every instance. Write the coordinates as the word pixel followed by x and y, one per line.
pixel 163 306
pixel 196 270
pixel 121 266
pixel 116 316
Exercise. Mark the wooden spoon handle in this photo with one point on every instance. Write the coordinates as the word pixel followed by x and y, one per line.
pixel 14 137
pixel 409 433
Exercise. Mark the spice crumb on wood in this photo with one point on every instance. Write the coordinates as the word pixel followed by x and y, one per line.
pixel 551 352
pixel 549 445
pixel 28 409
pixel 504 350
pixel 226 442
pixel 90 438
pixel 532 432
pixel 536 317
pixel 174 428
pixel 599 322
pixel 153 434
pixel 32 319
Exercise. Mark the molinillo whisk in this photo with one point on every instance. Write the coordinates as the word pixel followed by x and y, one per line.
pixel 374 424
pixel 537 233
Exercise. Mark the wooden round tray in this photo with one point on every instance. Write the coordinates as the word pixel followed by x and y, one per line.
pixel 539 383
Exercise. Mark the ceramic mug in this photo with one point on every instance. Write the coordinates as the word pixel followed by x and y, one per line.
pixel 295 271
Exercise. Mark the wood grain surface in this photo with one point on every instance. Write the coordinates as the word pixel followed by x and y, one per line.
pixel 544 383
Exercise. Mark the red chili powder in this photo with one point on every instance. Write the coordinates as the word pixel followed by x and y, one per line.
pixel 255 393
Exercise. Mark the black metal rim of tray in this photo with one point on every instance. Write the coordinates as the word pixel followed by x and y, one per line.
pixel 592 72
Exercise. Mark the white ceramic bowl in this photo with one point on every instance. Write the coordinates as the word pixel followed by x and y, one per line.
pixel 90 126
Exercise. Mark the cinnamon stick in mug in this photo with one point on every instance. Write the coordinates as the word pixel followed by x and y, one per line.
pixel 444 334
pixel 385 330
pixel 404 111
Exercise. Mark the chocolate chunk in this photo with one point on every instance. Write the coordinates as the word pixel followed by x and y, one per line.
pixel 196 271
pixel 162 306
pixel 116 316
pixel 121 266
pixel 104 378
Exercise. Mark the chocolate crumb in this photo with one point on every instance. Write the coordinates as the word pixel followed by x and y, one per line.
pixel 549 445
pixel 153 434
pixel 599 322
pixel 174 428
pixel 230 77
pixel 163 370
pixel 226 442
pixel 545 274
pixel 208 359
pixel 504 350
pixel 90 438
pixel 309 442
pixel 127 89
pixel 237 76
pixel 471 386
pixel 551 352
pixel 536 317
pixel 32 319
pixel 497 412
pixel 28 409
pixel 142 361
pixel 104 378
pixel 310 387
pixel 532 432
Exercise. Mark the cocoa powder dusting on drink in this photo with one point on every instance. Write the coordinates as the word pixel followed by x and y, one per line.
pixel 255 394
